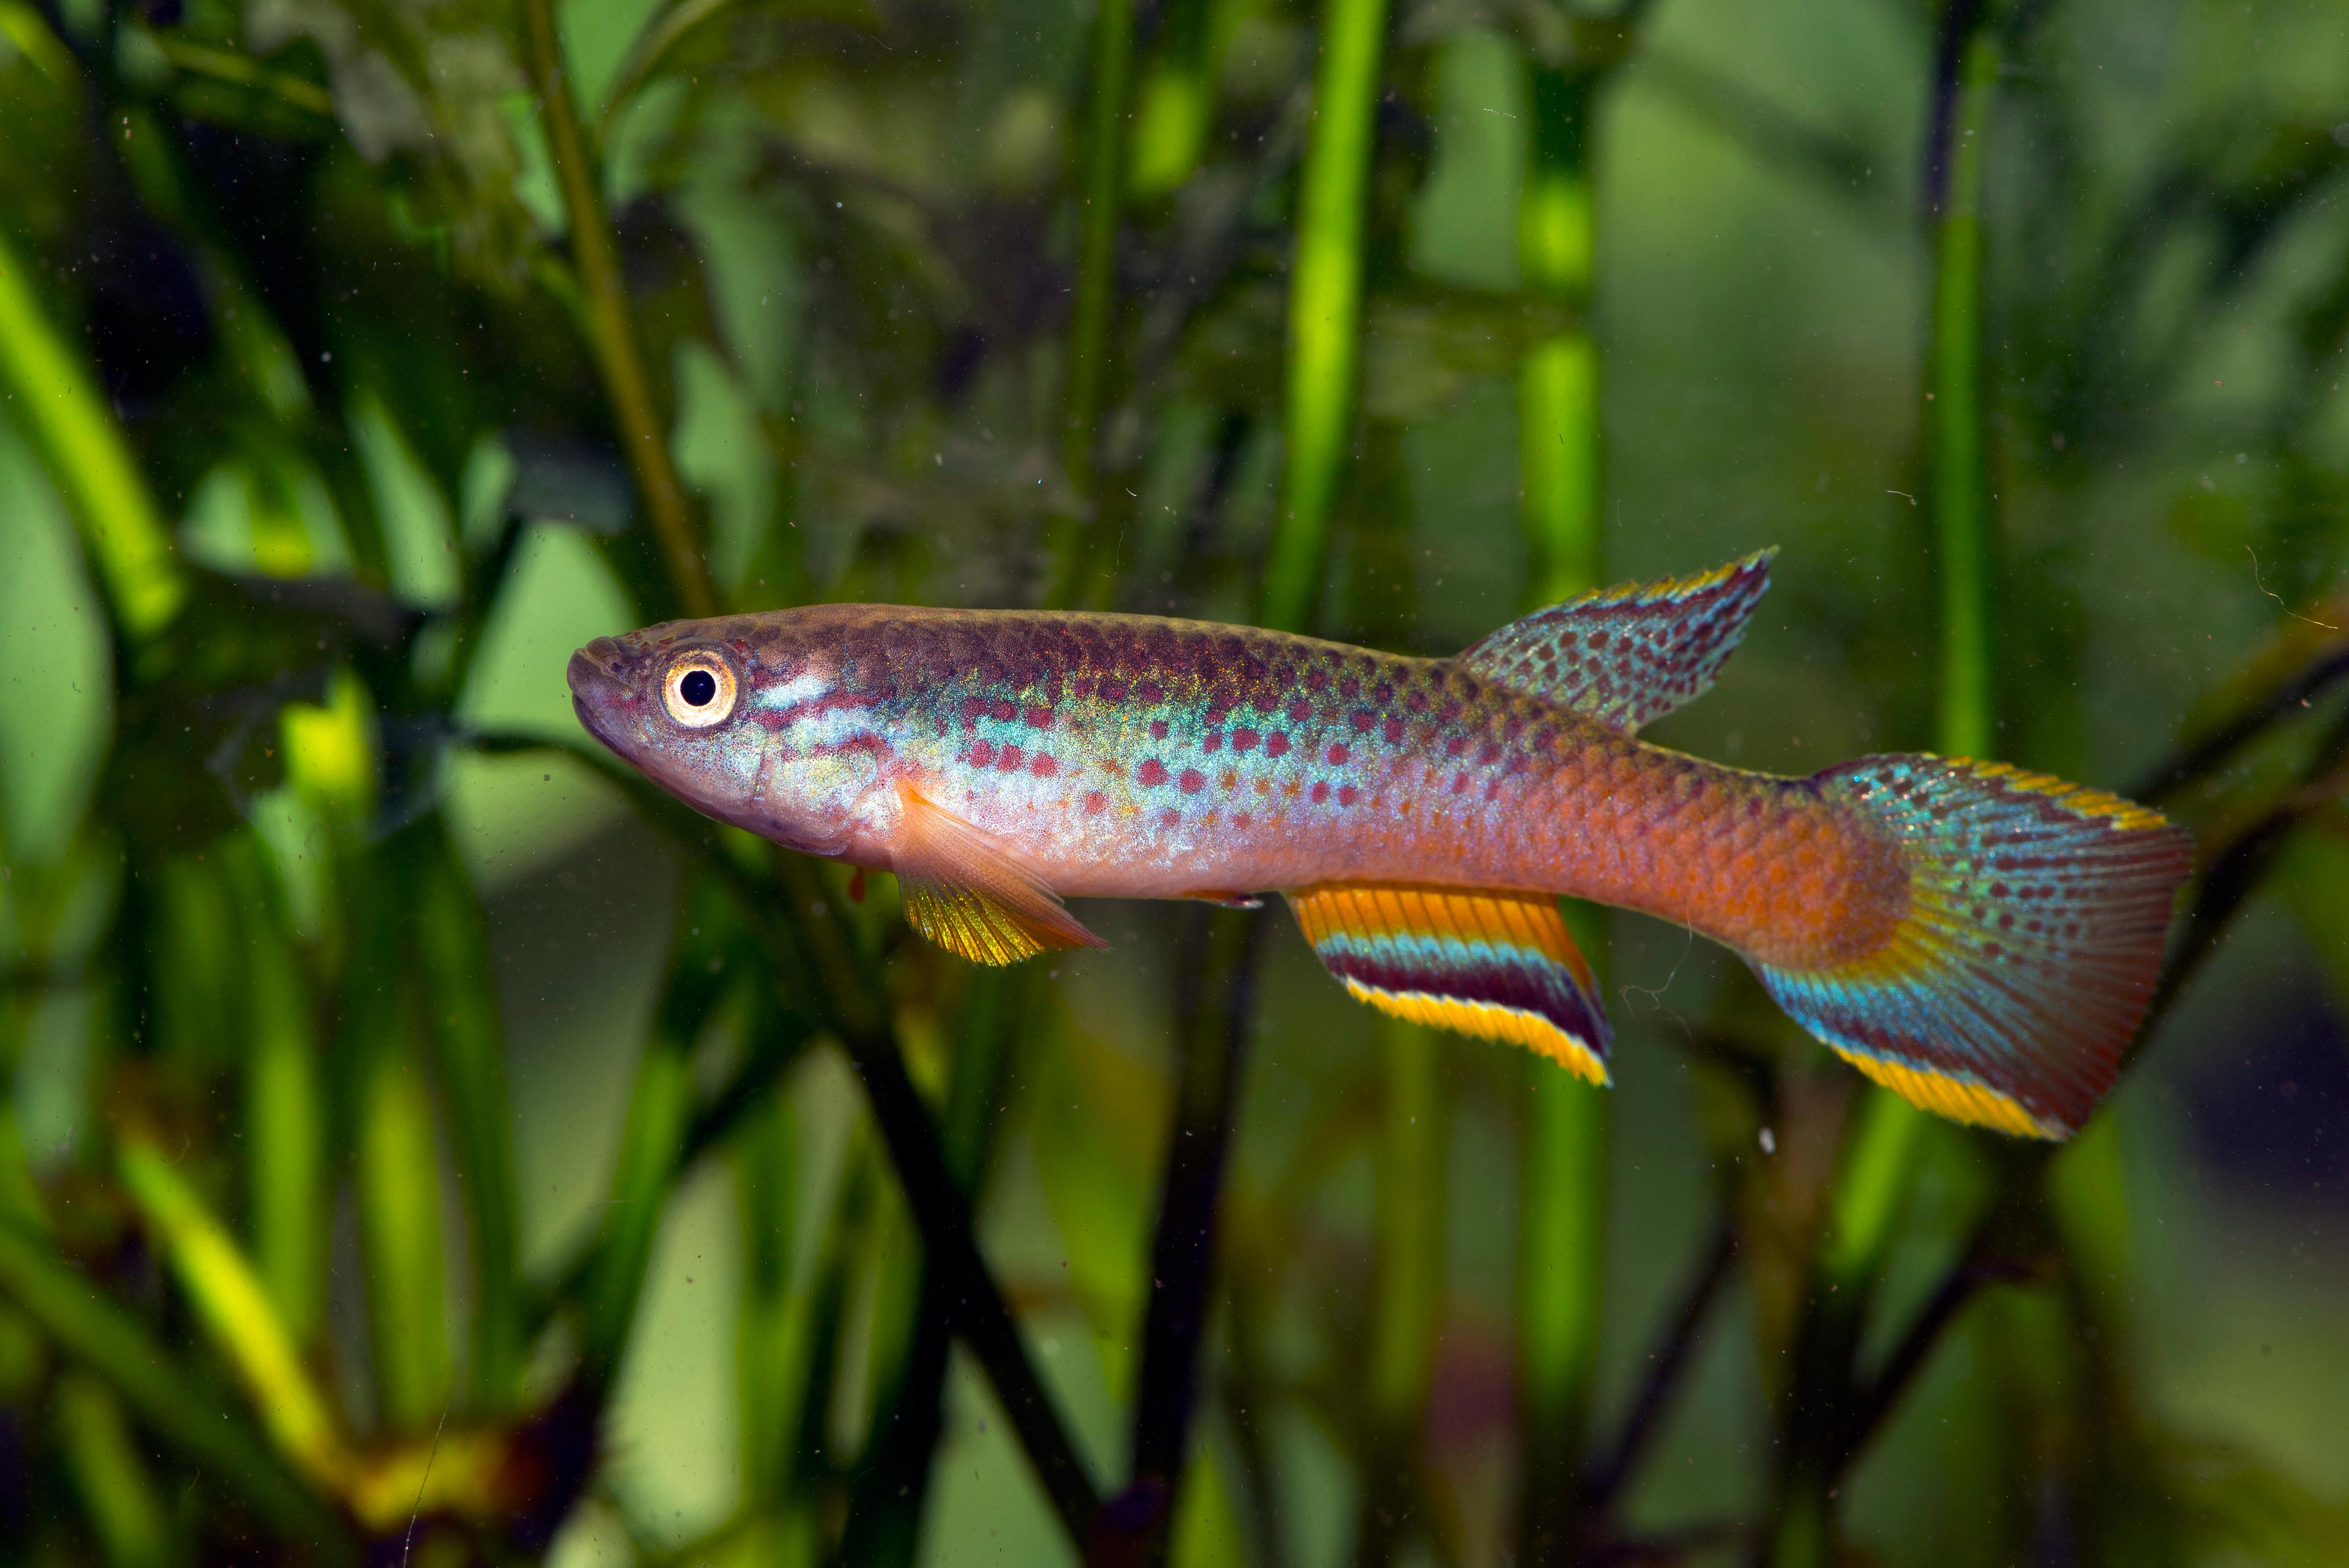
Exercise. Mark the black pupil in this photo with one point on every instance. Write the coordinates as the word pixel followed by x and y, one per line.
pixel 698 687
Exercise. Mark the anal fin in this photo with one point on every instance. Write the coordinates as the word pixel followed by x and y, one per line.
pixel 971 895
pixel 1497 965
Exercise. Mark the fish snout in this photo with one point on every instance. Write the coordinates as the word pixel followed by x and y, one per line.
pixel 600 687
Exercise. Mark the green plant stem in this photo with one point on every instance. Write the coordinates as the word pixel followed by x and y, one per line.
pixel 817 961
pixel 1879 1167
pixel 284 1130
pixel 1879 1161
pixel 1104 163
pixel 1216 1010
pixel 1407 1304
pixel 772 1337
pixel 233 1304
pixel 1561 1287
pixel 453 961
pixel 611 323
pixel 981 1315
pixel 86 1325
pixel 654 1140
pixel 649 54
pixel 396 1164
pixel 1082 570
pixel 20 1194
pixel 46 382
pixel 234 68
pixel 1176 100
pixel 117 1492
pixel 1557 381
pixel 1562 1192
pixel 1325 289
pixel 889 1494
pixel 1957 484
pixel 399 1181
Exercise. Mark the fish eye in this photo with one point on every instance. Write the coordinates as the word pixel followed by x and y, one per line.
pixel 699 690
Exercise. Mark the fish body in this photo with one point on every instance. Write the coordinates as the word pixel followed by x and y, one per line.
pixel 1423 816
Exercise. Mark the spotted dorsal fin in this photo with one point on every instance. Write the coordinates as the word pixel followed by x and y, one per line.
pixel 967 892
pixel 1493 964
pixel 1628 655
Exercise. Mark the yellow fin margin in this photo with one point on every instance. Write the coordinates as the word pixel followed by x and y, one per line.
pixel 1487 1020
pixel 1661 590
pixel 2124 815
pixel 1956 1098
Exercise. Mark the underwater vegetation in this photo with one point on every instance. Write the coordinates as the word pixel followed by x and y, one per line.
pixel 427 1140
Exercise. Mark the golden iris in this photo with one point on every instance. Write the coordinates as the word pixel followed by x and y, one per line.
pixel 698 690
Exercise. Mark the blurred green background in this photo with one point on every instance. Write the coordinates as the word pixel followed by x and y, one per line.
pixel 420 1144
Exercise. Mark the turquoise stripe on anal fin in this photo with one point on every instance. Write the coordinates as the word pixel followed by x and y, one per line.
pixel 1499 965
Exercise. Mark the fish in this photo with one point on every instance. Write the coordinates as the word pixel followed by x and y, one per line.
pixel 1982 940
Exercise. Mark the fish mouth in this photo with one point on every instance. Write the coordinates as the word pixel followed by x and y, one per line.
pixel 599 689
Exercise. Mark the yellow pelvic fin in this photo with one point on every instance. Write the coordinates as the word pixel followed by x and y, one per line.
pixel 973 895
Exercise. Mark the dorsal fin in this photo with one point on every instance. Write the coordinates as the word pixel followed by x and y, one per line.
pixel 1628 654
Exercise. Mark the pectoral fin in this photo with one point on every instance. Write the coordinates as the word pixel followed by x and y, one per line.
pixel 1499 965
pixel 972 893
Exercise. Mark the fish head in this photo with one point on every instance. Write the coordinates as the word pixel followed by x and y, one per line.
pixel 746 720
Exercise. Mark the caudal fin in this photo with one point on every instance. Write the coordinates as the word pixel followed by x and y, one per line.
pixel 2033 936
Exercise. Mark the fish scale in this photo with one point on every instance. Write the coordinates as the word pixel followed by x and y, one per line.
pixel 1980 939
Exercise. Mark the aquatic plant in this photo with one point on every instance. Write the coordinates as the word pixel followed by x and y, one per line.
pixel 389 1067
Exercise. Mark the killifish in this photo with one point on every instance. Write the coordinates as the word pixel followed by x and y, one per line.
pixel 1981 940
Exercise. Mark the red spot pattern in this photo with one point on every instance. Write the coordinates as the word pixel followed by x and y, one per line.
pixel 1393 732
pixel 1039 717
pixel 1151 772
pixel 1321 792
pixel 982 753
pixel 1157 729
pixel 1348 794
pixel 1009 759
pixel 1043 767
pixel 1170 818
pixel 1193 781
pixel 1243 739
pixel 1095 802
pixel 1338 755
pixel 1002 709
pixel 1278 745
pixel 1214 743
pixel 1299 710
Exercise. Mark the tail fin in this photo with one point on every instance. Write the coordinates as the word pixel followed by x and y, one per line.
pixel 2034 931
